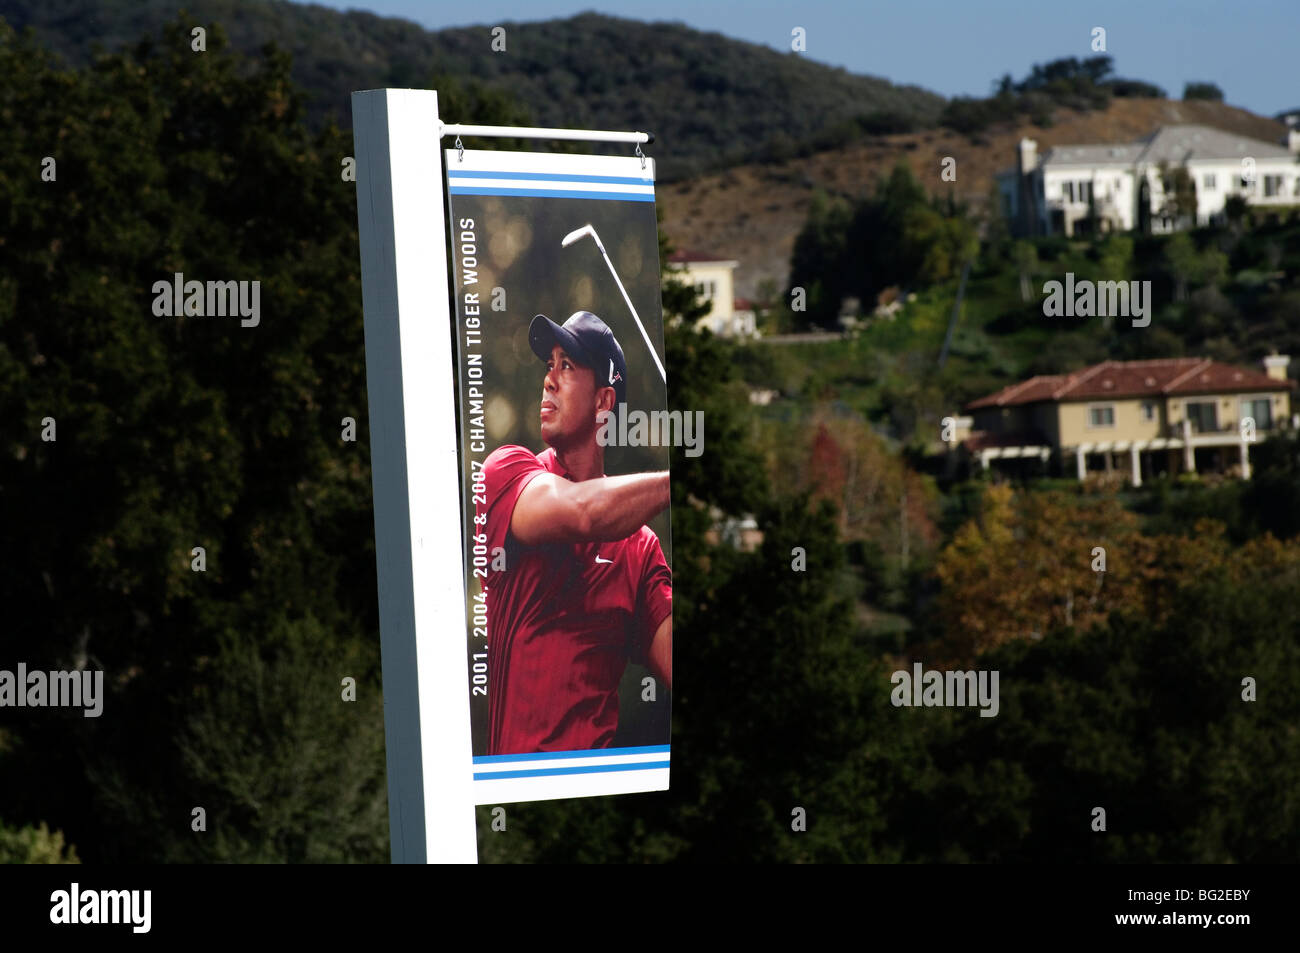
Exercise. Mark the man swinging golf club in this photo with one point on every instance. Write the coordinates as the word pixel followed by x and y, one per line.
pixel 585 586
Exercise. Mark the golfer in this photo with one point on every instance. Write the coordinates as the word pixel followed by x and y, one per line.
pixel 585 588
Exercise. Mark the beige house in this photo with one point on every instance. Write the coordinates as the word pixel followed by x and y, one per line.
pixel 713 277
pixel 1146 417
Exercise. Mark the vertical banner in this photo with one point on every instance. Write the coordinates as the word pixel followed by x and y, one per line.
pixel 567 548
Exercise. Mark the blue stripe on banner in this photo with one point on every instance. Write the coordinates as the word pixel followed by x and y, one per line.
pixel 551 177
pixel 588 769
pixel 589 753
pixel 553 193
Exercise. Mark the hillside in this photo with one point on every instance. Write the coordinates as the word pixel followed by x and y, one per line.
pixel 717 213
pixel 710 100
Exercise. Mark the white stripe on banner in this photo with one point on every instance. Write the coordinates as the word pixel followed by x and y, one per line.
pixel 463 185
pixel 569 764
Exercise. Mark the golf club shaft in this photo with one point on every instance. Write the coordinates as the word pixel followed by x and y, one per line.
pixel 636 316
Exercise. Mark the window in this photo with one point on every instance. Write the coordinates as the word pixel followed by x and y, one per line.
pixel 1272 185
pixel 1208 181
pixel 1076 191
pixel 1204 416
pixel 707 289
pixel 1259 409
pixel 1101 416
pixel 1148 410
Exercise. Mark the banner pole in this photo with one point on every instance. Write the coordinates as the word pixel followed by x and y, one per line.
pixel 410 381
pixel 536 132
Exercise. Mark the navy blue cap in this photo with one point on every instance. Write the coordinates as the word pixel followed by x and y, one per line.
pixel 589 341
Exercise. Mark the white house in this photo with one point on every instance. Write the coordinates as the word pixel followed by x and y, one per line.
pixel 713 278
pixel 1123 184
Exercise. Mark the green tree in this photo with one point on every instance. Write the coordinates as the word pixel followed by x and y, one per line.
pixel 35 845
pixel 174 432
pixel 1026 259
pixel 1202 91
pixel 1180 202
pixel 1180 260
pixel 818 263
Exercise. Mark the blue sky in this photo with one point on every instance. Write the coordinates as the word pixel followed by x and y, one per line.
pixel 1250 48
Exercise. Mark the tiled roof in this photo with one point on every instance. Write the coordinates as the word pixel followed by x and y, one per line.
pixel 1174 144
pixel 1163 377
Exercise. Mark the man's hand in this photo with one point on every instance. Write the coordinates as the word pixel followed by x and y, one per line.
pixel 551 509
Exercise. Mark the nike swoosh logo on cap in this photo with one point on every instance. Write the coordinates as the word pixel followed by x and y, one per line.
pixel 599 560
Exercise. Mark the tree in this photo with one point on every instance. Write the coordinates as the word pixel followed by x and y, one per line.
pixel 818 262
pixel 35 845
pixel 1180 259
pixel 1180 202
pixel 1115 260
pixel 1203 91
pixel 1027 565
pixel 1026 259
pixel 174 432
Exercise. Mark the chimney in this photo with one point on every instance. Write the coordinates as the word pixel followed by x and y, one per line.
pixel 1027 156
pixel 1275 366
pixel 1292 141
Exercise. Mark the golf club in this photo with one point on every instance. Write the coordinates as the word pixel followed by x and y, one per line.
pixel 587 230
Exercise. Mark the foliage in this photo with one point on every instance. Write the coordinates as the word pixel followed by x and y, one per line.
pixel 1203 91
pixel 588 71
pixel 177 432
pixel 895 237
pixel 35 845
pixel 1067 82
pixel 223 687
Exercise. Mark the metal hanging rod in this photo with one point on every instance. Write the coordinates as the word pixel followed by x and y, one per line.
pixel 533 132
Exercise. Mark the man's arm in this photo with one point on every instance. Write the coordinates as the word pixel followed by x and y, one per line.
pixel 661 652
pixel 551 509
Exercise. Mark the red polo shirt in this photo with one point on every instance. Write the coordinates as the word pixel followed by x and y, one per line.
pixel 563 621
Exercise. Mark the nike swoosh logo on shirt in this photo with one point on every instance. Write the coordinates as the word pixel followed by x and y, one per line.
pixel 599 560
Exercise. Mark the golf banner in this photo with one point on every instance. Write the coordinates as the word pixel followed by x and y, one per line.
pixel 564 489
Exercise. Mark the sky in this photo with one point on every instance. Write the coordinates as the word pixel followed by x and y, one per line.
pixel 1249 48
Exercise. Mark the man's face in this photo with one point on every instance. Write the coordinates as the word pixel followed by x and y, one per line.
pixel 570 401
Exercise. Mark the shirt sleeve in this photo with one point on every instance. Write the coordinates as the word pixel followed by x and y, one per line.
pixel 654 596
pixel 506 472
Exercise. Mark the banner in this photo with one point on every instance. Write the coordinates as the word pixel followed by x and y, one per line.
pixel 559 337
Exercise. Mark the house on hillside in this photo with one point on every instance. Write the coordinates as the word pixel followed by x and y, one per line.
pixel 1122 187
pixel 1149 417
pixel 713 277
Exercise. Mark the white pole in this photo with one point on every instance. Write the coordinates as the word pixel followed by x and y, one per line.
pixel 588 230
pixel 535 132
pixel 410 380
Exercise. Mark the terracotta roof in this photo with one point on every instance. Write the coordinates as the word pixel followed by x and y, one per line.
pixel 1163 377
pixel 743 304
